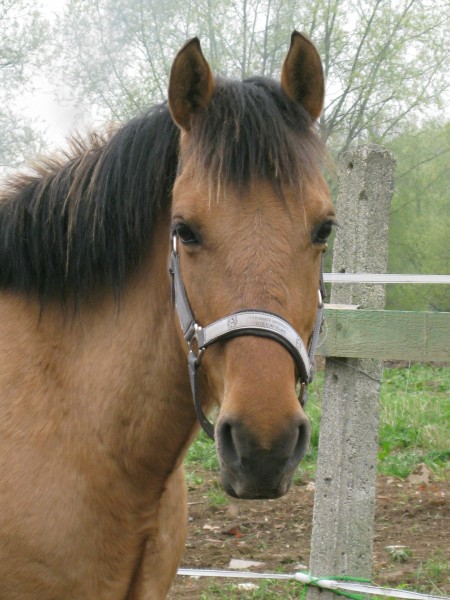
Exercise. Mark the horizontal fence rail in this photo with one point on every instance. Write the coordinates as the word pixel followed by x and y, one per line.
pixel 385 334
pixel 384 278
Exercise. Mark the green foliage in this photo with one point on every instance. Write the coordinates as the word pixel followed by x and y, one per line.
pixel 313 410
pixel 420 216
pixel 203 452
pixel 383 66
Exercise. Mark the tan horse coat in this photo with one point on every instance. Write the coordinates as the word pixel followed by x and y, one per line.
pixel 96 412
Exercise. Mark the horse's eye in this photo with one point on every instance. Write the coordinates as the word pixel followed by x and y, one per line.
pixel 322 233
pixel 185 234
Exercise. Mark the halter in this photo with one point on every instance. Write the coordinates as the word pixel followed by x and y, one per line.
pixel 245 322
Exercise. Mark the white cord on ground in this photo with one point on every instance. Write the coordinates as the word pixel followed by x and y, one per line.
pixel 306 579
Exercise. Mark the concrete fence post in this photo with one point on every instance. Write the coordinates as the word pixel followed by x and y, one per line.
pixel 344 504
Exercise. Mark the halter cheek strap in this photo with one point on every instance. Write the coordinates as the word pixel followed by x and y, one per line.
pixel 246 322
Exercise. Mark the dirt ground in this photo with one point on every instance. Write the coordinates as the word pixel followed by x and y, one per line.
pixel 412 514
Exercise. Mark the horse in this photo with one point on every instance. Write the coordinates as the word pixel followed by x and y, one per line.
pixel 211 205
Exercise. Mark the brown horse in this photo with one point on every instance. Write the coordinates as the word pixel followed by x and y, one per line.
pixel 96 410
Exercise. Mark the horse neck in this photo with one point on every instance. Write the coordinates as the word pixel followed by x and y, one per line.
pixel 116 370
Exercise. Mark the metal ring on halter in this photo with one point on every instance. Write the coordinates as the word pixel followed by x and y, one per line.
pixel 193 346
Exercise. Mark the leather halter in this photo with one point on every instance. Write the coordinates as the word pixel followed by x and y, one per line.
pixel 245 322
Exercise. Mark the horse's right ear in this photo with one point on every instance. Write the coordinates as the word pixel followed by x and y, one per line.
pixel 191 84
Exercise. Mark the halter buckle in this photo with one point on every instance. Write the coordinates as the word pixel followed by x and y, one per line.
pixel 195 352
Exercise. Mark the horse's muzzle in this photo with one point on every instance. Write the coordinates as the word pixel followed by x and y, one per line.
pixel 252 472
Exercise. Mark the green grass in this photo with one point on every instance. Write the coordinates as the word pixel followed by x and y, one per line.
pixel 414 424
pixel 434 569
pixel 414 419
pixel 216 496
pixel 265 590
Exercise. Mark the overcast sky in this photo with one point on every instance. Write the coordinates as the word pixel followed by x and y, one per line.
pixel 52 108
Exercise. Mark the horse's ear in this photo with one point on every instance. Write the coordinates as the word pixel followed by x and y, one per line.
pixel 191 83
pixel 302 76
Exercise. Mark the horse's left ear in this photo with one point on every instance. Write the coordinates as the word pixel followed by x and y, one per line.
pixel 302 76
pixel 191 84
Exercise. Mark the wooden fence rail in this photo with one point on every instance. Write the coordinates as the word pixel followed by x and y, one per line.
pixel 386 335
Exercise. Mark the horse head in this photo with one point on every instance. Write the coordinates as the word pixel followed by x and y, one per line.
pixel 250 219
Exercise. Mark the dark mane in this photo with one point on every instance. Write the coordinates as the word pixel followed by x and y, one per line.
pixel 83 221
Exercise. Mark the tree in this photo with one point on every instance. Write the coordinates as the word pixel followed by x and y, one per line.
pixel 23 35
pixel 387 70
pixel 385 60
pixel 419 223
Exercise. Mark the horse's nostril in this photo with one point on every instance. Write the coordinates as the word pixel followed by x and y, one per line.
pixel 302 442
pixel 226 443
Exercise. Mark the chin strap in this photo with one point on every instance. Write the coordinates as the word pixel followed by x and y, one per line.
pixel 245 322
